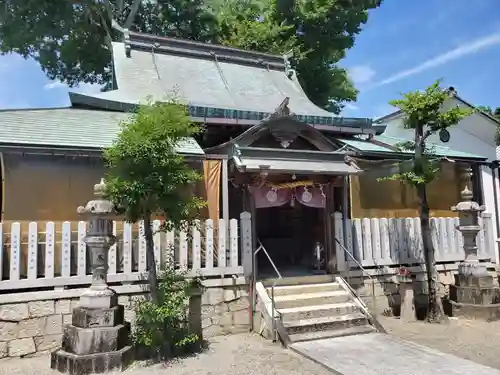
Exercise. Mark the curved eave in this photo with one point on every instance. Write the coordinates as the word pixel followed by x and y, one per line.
pixel 207 115
pixel 406 155
pixel 77 99
pixel 249 136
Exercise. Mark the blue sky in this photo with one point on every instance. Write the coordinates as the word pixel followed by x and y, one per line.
pixel 406 45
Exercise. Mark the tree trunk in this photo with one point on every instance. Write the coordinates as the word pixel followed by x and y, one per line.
pixel 435 307
pixel 150 258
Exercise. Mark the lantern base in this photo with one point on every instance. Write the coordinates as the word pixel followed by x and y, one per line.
pixel 473 269
pixel 98 340
pixel 75 364
pixel 475 296
pixel 478 290
pixel 98 298
pixel 84 317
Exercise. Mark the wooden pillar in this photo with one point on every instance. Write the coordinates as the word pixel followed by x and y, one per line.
pixel 331 261
pixel 225 201
pixel 225 192
pixel 345 209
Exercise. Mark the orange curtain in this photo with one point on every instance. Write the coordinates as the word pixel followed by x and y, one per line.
pixel 212 171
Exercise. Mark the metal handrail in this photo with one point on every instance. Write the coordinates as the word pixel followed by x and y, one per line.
pixel 254 282
pixel 353 258
pixel 363 270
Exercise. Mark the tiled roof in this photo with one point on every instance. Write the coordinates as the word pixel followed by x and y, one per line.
pixel 68 127
pixel 367 146
pixel 214 81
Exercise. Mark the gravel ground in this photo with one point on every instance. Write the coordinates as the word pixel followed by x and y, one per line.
pixel 469 339
pixel 247 354
pixel 243 354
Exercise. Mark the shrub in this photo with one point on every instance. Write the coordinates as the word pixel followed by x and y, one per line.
pixel 162 329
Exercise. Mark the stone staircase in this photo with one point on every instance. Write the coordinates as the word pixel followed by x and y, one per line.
pixel 317 307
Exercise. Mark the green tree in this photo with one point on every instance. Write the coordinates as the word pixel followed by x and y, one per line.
pixel 485 109
pixel 146 176
pixel 319 32
pixel 71 39
pixel 424 114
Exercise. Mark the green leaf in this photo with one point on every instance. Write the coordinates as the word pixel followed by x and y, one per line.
pixel 145 174
pixel 162 327
pixel 317 31
pixel 424 111
pixel 71 39
pixel 425 108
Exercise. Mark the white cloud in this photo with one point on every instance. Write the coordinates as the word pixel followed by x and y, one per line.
pixel 464 49
pixel 87 88
pixel 83 88
pixel 361 74
pixel 351 107
pixel 54 85
pixel 382 110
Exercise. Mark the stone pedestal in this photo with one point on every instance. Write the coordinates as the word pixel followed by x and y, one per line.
pixel 98 339
pixel 480 290
pixel 476 296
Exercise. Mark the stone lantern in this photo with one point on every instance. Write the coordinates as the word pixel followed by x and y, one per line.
pixel 98 340
pixel 475 293
pixel 469 213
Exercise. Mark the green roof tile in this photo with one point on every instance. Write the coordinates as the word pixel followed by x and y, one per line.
pixel 367 146
pixel 69 127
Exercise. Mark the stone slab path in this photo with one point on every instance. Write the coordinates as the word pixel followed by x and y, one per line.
pixel 380 354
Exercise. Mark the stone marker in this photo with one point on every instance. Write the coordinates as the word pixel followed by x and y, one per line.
pixel 405 286
pixel 98 340
pixel 477 294
pixel 407 302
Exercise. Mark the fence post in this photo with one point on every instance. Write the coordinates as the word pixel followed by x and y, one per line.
pixel 246 243
pixel 342 257
pixel 490 243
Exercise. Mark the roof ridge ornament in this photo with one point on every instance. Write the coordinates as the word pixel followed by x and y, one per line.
pixel 282 110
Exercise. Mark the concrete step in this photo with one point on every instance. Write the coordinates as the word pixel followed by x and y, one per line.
pixel 286 290
pixel 319 311
pixel 325 323
pixel 310 299
pixel 330 334
pixel 300 280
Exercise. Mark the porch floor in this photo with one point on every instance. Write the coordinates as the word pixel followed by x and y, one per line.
pixel 381 354
pixel 290 271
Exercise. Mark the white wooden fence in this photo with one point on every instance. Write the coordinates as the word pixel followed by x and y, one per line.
pixel 37 255
pixel 54 255
pixel 386 242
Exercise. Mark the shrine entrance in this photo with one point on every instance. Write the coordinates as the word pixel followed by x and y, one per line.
pixel 290 222
pixel 289 234
pixel 288 174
